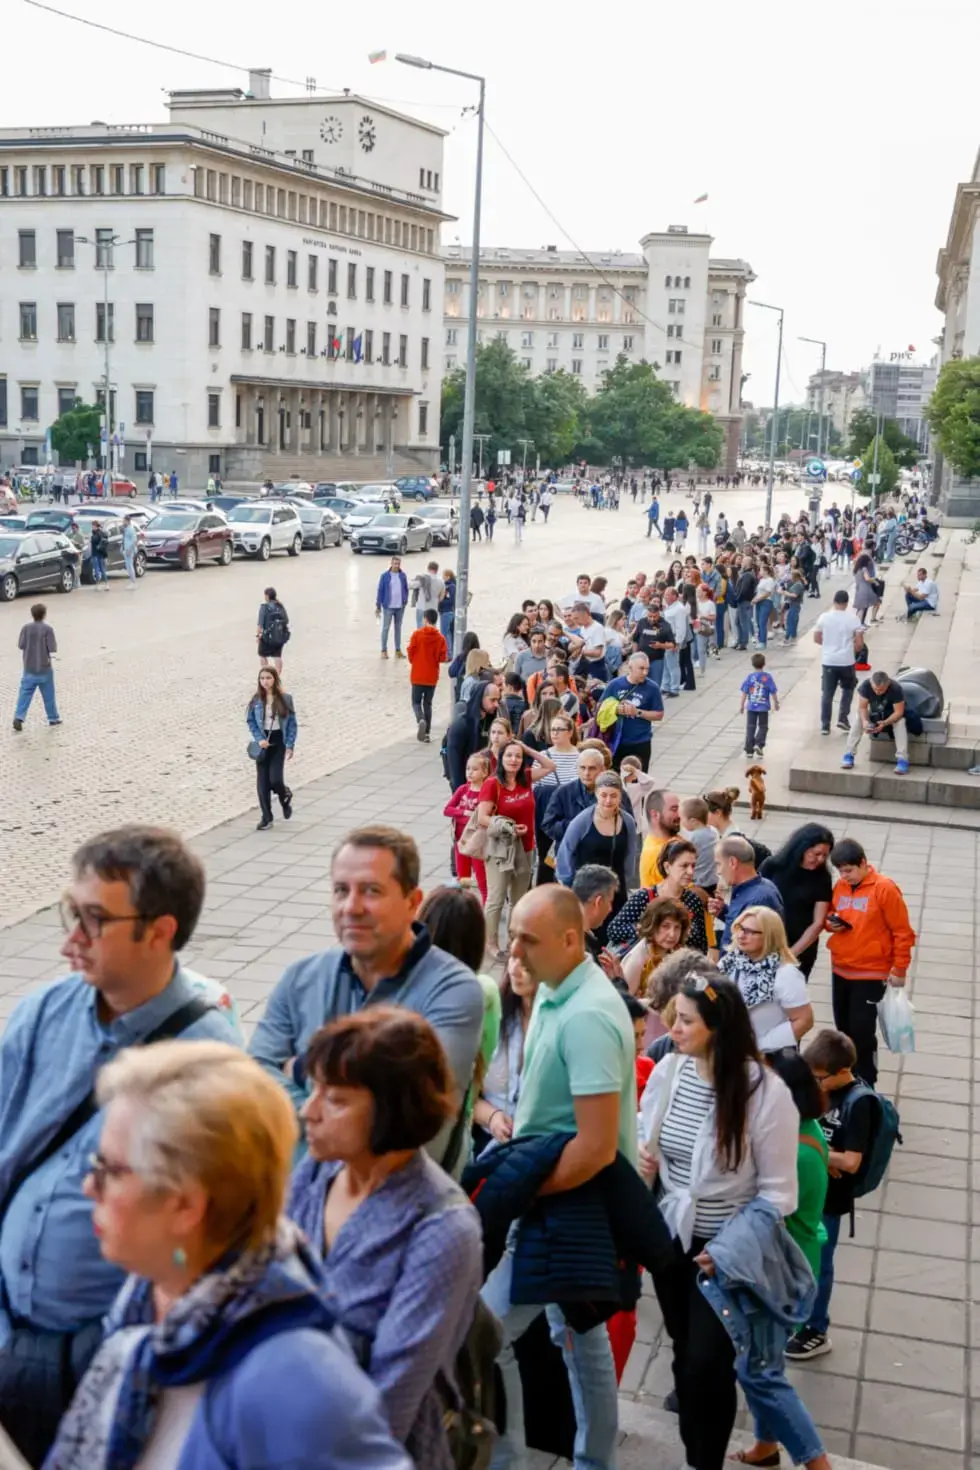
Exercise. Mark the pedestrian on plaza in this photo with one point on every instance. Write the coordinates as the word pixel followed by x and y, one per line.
pixel 677 614
pixel 839 634
pixel 457 668
pixel 737 873
pixel 222 1334
pixel 572 797
pixel 447 607
pixel 870 946
pixel 801 873
pixel 653 515
pixel 507 812
pixel 401 1245
pixel 881 707
pixel 680 529
pixel 664 817
pixel 390 602
pixel 696 828
pixel 923 597
pixel 173 484
pixel 794 591
pixel 99 543
pixel 868 587
pixel 426 652
pixel 516 638
pixel 460 808
pixel 545 501
pixel 653 635
pixel 763 602
pixel 491 518
pixel 272 632
pixel 477 669
pixel 675 870
pixel 476 522
pixel 382 955
pixel 130 541
pixel 760 962
pixel 744 592
pixel 37 643
pixel 759 695
pixel 271 720
pixel 704 532
pixel 667 529
pixel 719 1130
pixel 469 730
pixel 427 590
pixel 640 707
pixel 518 509
pixel 579 1078
pixel 132 904
pixel 605 834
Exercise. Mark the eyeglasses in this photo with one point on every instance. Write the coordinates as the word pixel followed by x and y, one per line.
pixel 744 929
pixel 101 1169
pixel 89 921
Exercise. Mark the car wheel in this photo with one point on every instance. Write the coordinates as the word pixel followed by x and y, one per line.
pixel 428 543
pixel 402 546
pixel 189 559
pixel 226 554
pixel 139 563
pixel 297 545
pixel 265 550
pixel 132 494
pixel 66 582
pixel 321 541
pixel 419 495
pixel 8 587
pixel 355 549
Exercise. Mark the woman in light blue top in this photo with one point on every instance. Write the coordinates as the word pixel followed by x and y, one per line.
pixel 493 1116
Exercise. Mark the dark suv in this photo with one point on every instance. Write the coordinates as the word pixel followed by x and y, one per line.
pixel 417 487
pixel 183 538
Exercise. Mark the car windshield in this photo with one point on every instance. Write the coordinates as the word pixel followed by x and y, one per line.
pixel 258 514
pixel 310 513
pixel 399 521
pixel 170 521
pixel 47 518
pixel 432 512
pixel 9 545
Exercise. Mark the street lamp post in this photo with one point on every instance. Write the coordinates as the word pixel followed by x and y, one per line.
pixel 108 245
pixel 775 409
pixel 469 395
pixel 823 371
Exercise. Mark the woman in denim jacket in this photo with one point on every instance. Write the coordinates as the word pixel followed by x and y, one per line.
pixel 271 719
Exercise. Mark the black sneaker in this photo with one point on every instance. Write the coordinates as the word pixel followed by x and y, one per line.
pixel 808 1344
pixel 825 729
pixel 265 822
pixel 670 1402
pixel 843 725
pixel 287 805
pixel 18 724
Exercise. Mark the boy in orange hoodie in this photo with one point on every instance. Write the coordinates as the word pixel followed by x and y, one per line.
pixel 426 651
pixel 870 947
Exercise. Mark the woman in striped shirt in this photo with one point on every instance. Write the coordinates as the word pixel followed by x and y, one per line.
pixel 721 1130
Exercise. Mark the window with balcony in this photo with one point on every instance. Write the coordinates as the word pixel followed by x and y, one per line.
pixel 577 366
pixel 627 344
pixel 246 331
pixel 27 249
pixel 578 340
pixel 28 321
pixel 66 321
pixel 386 349
pixel 144 405
pixel 144 250
pixel 214 326
pixel 105 321
pixel 269 334
pixel 66 250
pixel 311 339
pixel 144 321
pixel 290 336
pixel 552 339
pixel 527 339
pixel 603 342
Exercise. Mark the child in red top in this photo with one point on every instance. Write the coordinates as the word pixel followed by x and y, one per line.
pixel 461 806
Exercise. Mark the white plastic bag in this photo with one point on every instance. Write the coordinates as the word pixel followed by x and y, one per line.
pixel 896 1018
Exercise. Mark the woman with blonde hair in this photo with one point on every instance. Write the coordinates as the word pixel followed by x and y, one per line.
pixel 221 1339
pixel 767 972
pixel 474 670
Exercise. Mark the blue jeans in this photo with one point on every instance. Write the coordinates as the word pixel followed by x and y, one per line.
pixel 28 684
pixel 129 557
pixel 743 622
pixel 820 1313
pixel 763 610
pixel 701 641
pixel 778 1412
pixel 657 671
pixel 672 671
pixel 915 605
pixel 392 614
pixel 447 621
pixel 98 569
pixel 720 611
pixel 792 618
pixel 591 1376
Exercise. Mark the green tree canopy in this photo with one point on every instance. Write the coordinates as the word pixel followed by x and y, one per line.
pixel 554 412
pixel 887 470
pixel 635 418
pixel 954 414
pixel 501 393
pixel 862 428
pixel 75 432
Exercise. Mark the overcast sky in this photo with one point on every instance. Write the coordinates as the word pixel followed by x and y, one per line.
pixel 829 138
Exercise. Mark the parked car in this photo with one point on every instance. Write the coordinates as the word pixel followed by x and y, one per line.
pixel 392 533
pixel 385 490
pixel 321 527
pixel 201 506
pixel 285 488
pixel 442 520
pixel 184 538
pixel 34 561
pixel 324 487
pixel 13 523
pixel 115 562
pixel 227 503
pixel 266 526
pixel 365 509
pixel 118 486
pixel 417 487
pixel 341 506
pixel 94 510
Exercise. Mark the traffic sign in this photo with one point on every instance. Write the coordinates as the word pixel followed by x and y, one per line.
pixel 816 469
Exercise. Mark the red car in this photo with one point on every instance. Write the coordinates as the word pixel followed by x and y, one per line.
pixel 120 487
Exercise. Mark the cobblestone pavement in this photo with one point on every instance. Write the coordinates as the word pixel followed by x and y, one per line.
pixel 152 684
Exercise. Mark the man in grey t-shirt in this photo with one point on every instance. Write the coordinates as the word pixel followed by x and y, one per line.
pixel 428 588
pixel 532 660
pixel 37 643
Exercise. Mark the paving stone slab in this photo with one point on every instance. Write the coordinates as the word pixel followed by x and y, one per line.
pixel 935 1319
pixel 913 1415
pixel 930 1365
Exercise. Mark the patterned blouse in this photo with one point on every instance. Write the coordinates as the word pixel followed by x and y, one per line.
pixel 622 928
pixel 403 1276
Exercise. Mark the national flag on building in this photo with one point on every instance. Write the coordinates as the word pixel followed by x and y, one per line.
pixel 700 199
pixel 357 348
pixel 374 56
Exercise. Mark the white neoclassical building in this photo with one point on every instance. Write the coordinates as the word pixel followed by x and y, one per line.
pixel 958 298
pixel 557 309
pixel 267 273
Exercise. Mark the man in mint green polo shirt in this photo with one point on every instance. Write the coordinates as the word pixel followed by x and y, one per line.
pixel 578 1077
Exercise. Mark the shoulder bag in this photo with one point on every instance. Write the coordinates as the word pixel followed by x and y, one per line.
pixel 472 841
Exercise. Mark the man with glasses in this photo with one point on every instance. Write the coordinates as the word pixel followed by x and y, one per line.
pixel 132 905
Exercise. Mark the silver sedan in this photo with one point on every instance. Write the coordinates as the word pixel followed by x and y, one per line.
pixel 392 533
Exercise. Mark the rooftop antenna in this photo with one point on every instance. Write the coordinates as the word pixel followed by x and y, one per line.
pixel 311 84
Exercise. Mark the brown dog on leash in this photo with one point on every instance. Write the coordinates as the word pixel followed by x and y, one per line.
pixel 757 792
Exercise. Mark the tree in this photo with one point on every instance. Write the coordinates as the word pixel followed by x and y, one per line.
pixel 554 413
pixel 501 385
pixel 954 414
pixel 863 427
pixel 887 470
pixel 635 418
pixel 76 432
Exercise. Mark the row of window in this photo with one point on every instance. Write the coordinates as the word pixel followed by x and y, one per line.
pixel 555 290
pixel 553 340
pixel 350 344
pixel 327 214
pixel 677 283
pixel 105 242
pixel 313 274
pixel 104 321
pixel 59 180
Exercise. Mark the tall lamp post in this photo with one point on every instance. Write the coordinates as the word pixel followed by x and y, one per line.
pixel 107 245
pixel 469 396
pixel 767 306
pixel 823 371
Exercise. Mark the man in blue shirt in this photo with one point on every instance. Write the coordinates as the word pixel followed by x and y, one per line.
pixel 736 871
pixel 640 707
pixel 133 903
pixel 389 604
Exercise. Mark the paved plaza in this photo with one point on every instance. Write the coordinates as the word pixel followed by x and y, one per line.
pixel 154 685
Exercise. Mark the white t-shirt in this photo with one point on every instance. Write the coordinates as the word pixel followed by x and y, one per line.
pixel 597 635
pixel 679 619
pixel 838 629
pixel 596 605
pixel 765 588
pixel 772 1029
pixel 929 591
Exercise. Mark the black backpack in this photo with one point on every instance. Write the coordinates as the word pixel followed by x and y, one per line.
pixel 277 624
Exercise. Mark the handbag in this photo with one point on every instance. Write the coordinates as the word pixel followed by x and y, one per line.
pixel 472 841
pixel 255 751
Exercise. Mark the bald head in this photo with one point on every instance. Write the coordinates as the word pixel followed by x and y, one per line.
pixel 547 934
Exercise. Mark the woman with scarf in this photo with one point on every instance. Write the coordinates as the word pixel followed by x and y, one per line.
pixel 401 1245
pixel 221 1339
pixel 770 980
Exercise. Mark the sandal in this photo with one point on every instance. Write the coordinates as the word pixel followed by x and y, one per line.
pixel 770 1461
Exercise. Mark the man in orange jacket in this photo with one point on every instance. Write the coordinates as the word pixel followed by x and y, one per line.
pixel 426 651
pixel 870 947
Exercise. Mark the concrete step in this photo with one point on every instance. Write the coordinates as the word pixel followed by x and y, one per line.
pixel 817 769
